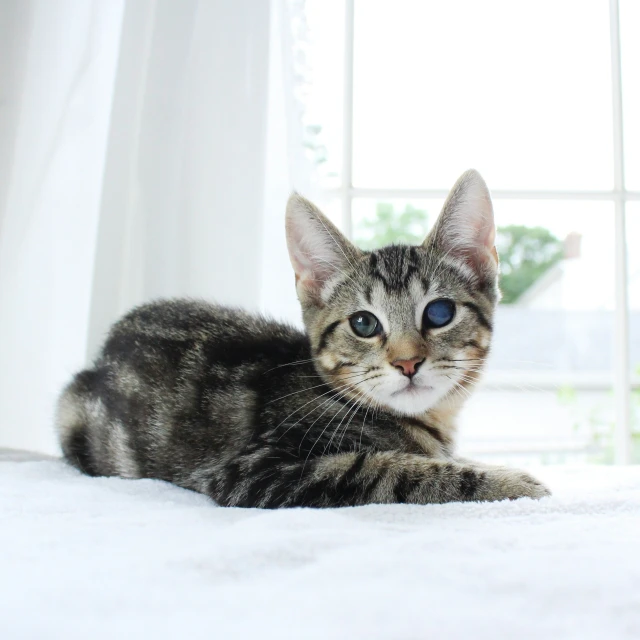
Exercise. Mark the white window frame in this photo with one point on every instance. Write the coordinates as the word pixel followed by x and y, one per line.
pixel 619 196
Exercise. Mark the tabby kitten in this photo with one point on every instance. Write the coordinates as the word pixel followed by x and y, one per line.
pixel 361 409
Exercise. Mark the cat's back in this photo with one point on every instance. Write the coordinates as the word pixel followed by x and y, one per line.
pixel 192 319
pixel 224 335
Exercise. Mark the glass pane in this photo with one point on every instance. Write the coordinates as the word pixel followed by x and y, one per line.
pixel 377 223
pixel 630 44
pixel 332 208
pixel 520 91
pixel 546 395
pixel 633 247
pixel 319 40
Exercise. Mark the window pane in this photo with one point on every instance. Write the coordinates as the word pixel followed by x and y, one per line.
pixel 332 208
pixel 319 39
pixel 633 247
pixel 547 392
pixel 521 91
pixel 630 44
pixel 546 395
pixel 377 223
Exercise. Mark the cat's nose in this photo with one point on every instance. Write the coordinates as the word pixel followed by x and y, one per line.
pixel 408 367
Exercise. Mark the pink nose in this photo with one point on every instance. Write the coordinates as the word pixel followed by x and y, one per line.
pixel 408 367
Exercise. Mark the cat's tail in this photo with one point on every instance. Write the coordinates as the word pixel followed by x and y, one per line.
pixel 72 423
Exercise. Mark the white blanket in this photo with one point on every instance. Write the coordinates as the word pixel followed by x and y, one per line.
pixel 97 558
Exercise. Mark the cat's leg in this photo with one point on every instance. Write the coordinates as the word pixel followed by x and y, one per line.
pixel 269 479
pixel 484 466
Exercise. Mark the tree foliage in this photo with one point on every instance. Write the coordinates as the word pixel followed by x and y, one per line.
pixel 388 226
pixel 526 253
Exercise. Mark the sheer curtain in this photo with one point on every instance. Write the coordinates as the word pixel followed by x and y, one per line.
pixel 147 148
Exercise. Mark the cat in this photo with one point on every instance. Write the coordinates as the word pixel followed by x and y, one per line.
pixel 359 409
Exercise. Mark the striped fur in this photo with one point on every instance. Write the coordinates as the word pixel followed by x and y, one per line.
pixel 254 413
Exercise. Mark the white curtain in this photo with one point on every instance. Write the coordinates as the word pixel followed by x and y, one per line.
pixel 147 148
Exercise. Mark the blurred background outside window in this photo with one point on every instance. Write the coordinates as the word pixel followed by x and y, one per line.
pixel 530 95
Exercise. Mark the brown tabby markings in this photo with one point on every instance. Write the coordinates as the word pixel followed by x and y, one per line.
pixel 254 413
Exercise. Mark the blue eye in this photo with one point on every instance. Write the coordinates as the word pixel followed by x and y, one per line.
pixel 365 324
pixel 438 313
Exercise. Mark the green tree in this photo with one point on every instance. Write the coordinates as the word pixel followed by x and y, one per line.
pixel 388 226
pixel 526 253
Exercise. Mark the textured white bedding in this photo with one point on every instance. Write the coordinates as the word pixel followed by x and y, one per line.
pixel 109 558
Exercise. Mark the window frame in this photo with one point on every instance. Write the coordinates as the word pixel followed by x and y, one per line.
pixel 619 196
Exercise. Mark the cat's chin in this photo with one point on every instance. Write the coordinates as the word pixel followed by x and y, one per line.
pixel 411 400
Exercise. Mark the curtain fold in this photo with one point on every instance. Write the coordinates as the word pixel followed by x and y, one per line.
pixel 182 205
pixel 149 154
pixel 49 213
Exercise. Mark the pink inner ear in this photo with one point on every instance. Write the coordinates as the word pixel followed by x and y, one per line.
pixel 481 245
pixel 490 243
pixel 469 234
pixel 487 234
pixel 317 248
pixel 477 211
pixel 310 267
pixel 490 240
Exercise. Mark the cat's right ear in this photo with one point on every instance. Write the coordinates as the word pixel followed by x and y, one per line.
pixel 465 230
pixel 318 251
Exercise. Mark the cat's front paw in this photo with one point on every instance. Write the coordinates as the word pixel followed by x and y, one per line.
pixel 502 483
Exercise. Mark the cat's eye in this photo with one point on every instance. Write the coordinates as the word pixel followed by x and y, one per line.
pixel 365 324
pixel 438 313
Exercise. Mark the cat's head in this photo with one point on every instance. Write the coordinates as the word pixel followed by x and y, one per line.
pixel 404 327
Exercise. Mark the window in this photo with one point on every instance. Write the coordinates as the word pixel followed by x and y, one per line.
pixel 534 96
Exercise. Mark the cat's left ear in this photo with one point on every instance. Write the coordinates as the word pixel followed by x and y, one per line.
pixel 317 249
pixel 465 229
